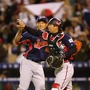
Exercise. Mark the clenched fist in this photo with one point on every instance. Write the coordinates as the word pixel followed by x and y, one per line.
pixel 20 24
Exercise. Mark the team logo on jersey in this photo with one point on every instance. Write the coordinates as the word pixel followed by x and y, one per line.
pixel 40 44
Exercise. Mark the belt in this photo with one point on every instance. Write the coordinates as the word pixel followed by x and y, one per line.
pixel 34 60
pixel 66 61
pixel 37 61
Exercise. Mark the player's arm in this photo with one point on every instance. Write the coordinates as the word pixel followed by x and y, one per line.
pixel 29 36
pixel 32 31
pixel 18 36
pixel 70 46
pixel 29 29
pixel 70 52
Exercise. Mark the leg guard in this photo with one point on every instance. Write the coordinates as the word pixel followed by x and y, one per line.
pixel 55 86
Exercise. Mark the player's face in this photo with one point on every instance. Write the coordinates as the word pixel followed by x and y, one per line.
pixel 52 28
pixel 41 25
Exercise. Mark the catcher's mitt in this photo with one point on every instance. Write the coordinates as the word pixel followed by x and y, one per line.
pixel 55 61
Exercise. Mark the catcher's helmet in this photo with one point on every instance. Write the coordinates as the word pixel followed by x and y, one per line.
pixel 56 22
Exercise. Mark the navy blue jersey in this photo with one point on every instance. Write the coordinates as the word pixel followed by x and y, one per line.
pixel 70 47
pixel 35 47
pixel 68 41
pixel 56 40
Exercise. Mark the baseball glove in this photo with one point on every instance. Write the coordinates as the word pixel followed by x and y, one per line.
pixel 55 61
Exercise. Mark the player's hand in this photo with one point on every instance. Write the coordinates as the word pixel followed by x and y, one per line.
pixel 20 24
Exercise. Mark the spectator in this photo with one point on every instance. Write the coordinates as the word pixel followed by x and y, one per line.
pixel 27 16
pixel 66 21
pixel 6 34
pixel 5 85
pixel 43 1
pixel 76 26
pixel 9 11
pixel 77 9
pixel 85 51
pixel 3 54
pixel 86 14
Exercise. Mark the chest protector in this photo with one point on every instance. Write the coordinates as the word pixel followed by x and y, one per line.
pixel 54 41
pixel 55 58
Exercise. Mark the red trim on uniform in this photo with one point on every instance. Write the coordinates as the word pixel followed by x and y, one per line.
pixel 30 46
pixel 61 37
pixel 65 49
pixel 58 43
pixel 45 35
pixel 40 44
pixel 24 41
pixel 25 54
pixel 65 76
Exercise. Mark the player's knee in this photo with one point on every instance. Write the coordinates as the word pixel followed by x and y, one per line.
pixel 56 86
pixel 42 87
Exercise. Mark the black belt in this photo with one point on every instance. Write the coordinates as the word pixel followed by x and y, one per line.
pixel 34 60
pixel 37 61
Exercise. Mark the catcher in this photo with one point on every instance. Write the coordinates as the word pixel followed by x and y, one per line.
pixel 61 48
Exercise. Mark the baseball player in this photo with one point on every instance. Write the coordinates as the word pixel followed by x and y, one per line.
pixel 36 51
pixel 56 39
pixel 63 80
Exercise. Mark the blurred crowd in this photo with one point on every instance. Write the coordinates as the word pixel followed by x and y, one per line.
pixel 76 22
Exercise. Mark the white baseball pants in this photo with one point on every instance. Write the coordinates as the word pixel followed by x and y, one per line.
pixel 31 71
pixel 64 76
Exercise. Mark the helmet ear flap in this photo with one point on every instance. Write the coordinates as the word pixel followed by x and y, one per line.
pixel 61 25
pixel 57 22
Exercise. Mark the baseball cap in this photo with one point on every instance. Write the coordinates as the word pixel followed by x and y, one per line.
pixel 42 18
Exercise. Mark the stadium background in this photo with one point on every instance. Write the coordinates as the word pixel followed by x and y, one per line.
pixel 75 15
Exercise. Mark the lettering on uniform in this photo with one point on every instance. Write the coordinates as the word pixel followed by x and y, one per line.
pixel 40 44
pixel 70 40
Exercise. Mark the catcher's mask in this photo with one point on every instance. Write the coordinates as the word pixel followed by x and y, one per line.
pixel 56 22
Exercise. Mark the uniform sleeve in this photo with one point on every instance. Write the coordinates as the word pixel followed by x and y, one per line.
pixel 26 37
pixel 71 47
pixel 32 31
